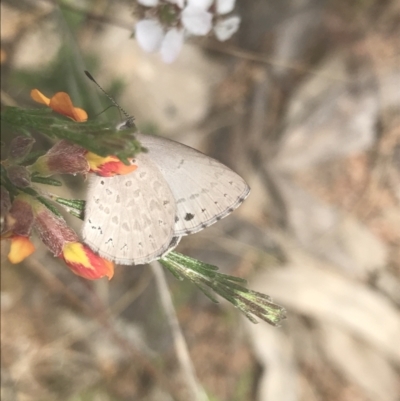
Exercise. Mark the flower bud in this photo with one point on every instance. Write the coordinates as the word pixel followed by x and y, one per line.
pixel 52 230
pixel 18 227
pixel 63 158
pixel 20 147
pixel 19 176
pixel 20 218
pixel 5 206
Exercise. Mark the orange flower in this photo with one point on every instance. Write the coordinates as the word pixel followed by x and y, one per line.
pixel 60 103
pixel 85 263
pixel 21 248
pixel 108 166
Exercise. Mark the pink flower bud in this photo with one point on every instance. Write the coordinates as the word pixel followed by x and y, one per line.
pixel 52 230
pixel 20 147
pixel 5 206
pixel 19 219
pixel 19 176
pixel 63 158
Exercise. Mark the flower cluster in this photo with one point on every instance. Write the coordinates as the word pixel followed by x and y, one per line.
pixel 166 23
pixel 25 209
pixel 68 158
pixel 27 213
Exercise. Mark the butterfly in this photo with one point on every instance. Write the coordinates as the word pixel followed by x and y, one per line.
pixel 175 191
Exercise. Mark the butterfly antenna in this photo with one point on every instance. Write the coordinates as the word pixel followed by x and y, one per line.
pixel 129 118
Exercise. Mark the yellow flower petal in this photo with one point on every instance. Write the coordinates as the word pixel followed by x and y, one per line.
pixel 21 248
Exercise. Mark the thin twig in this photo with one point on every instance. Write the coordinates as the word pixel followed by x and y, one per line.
pixel 182 352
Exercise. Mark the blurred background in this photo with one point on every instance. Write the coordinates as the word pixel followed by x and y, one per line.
pixel 304 103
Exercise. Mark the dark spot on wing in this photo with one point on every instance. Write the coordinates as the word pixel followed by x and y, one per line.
pixel 189 216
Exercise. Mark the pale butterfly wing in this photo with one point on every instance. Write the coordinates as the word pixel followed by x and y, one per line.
pixel 129 218
pixel 204 189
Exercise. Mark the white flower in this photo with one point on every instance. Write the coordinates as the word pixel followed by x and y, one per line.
pixel 148 3
pixel 225 6
pixel 149 34
pixel 225 28
pixel 179 3
pixel 172 45
pixel 196 20
pixel 203 4
pixel 192 16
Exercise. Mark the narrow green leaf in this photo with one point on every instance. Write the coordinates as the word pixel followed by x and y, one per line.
pixel 46 180
pixel 203 275
pixel 49 205
pixel 77 204
pixel 207 293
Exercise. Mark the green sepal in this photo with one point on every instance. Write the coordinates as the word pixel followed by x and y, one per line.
pixel 33 156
